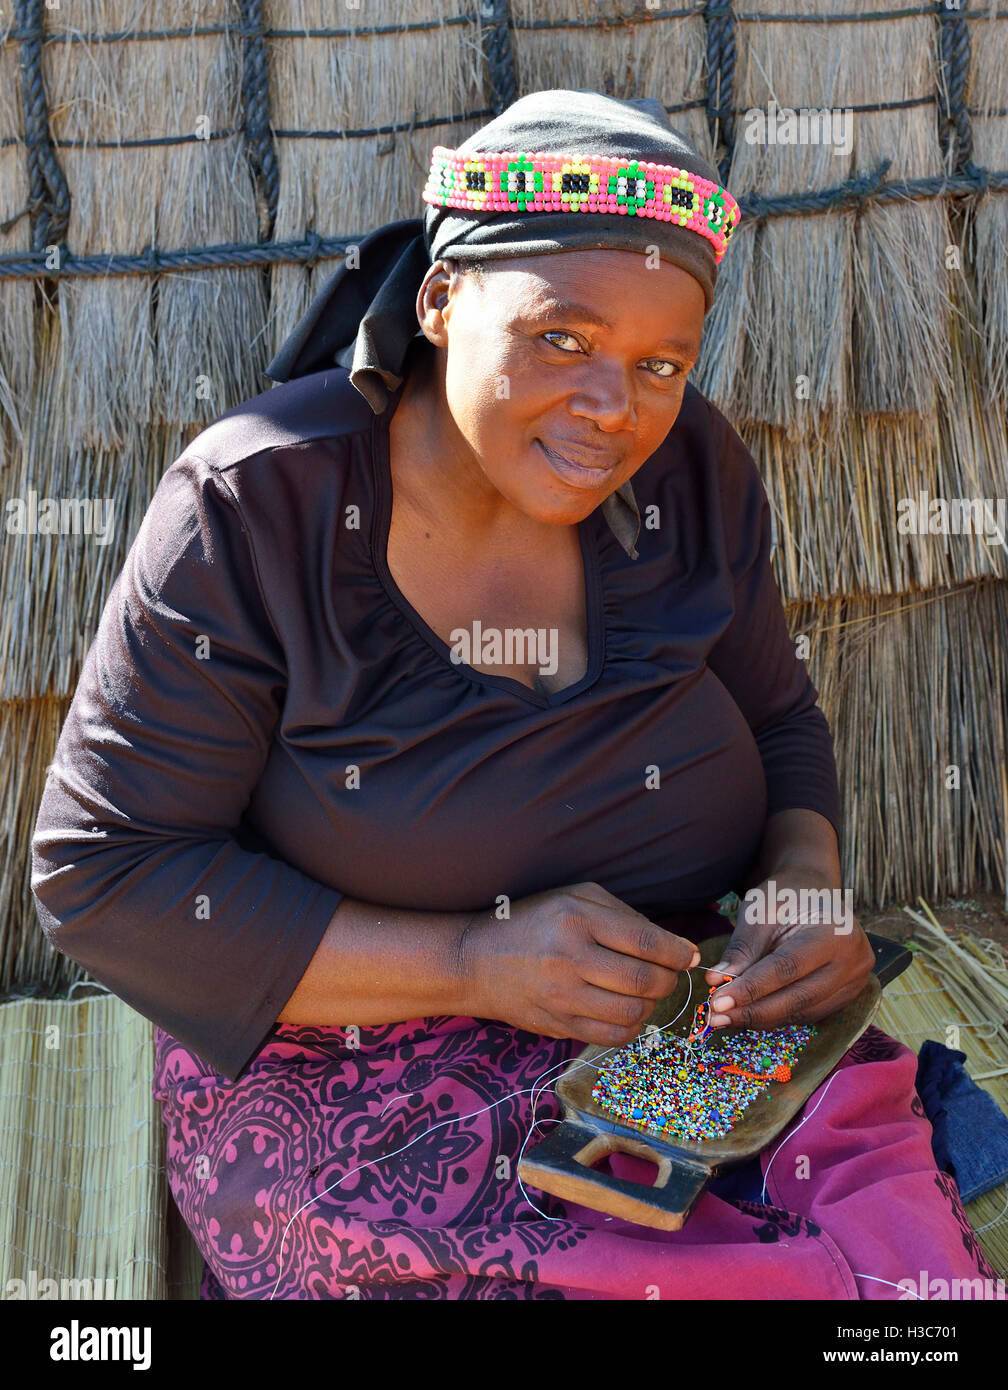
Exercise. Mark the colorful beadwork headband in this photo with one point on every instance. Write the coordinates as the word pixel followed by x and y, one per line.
pixel 509 181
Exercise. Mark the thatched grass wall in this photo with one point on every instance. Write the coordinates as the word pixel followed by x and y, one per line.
pixel 859 340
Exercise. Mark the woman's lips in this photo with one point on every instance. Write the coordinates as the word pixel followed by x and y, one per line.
pixel 577 474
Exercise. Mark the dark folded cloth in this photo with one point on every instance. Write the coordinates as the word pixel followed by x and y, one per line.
pixel 970 1138
pixel 744 1183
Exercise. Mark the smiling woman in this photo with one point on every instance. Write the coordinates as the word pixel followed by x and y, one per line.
pixel 533 411
pixel 585 382
pixel 370 893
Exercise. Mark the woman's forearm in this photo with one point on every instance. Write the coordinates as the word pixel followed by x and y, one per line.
pixel 378 965
pixel 798 840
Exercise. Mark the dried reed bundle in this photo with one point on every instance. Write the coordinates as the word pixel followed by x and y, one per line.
pixel 720 372
pixel 795 270
pixel 210 345
pixel 987 90
pixel 835 503
pixel 974 975
pixel 913 687
pixel 974 430
pixel 349 186
pixel 837 498
pixel 55 585
pixel 136 346
pixel 900 345
pixel 17 297
pixel 659 58
pixel 28 733
pixel 83 1191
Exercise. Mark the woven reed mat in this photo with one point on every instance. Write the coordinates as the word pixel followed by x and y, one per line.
pixel 84 1199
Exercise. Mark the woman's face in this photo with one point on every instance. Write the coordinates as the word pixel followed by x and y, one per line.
pixel 564 373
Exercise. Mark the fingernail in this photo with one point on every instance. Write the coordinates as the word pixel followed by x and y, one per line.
pixel 719 1020
pixel 723 1001
pixel 720 968
pixel 695 960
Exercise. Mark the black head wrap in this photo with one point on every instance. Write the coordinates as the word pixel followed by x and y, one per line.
pixel 364 317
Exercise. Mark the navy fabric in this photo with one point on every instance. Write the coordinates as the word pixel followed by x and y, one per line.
pixel 741 1184
pixel 970 1131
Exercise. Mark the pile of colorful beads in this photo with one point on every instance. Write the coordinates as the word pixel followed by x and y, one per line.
pixel 663 1083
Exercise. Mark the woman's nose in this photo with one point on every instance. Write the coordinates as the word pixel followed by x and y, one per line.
pixel 609 397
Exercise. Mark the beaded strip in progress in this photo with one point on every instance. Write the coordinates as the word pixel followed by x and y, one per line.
pixel 690 1090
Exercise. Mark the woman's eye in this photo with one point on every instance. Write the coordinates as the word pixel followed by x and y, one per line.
pixel 672 369
pixel 557 334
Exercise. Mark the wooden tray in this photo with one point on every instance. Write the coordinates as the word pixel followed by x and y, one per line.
pixel 561 1165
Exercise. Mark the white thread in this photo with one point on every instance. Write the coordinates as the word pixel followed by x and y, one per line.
pixel 797 1127
pixel 88 984
pixel 958 1023
pixel 528 1199
pixel 876 1280
pixel 997 1220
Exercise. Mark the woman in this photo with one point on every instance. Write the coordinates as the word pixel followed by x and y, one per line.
pixel 417 743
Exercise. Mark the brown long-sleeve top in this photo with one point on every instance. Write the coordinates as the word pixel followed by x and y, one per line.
pixel 264 723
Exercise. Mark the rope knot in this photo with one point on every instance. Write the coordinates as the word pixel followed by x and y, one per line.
pixel 314 243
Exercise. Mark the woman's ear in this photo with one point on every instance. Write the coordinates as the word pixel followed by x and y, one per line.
pixel 432 297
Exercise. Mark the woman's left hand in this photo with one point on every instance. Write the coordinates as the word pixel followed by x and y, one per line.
pixel 788 971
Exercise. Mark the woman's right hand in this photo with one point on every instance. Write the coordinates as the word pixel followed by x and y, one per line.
pixel 572 962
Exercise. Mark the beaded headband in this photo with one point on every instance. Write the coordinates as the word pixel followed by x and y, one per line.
pixel 509 181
